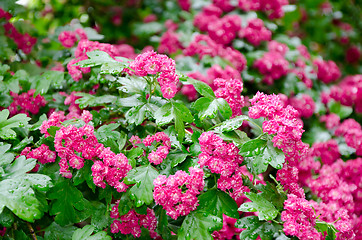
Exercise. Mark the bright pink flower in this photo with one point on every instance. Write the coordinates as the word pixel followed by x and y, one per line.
pixel 67 38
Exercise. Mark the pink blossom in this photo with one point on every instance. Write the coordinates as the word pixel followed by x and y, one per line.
pixel 177 194
pixel 67 38
pixel 255 32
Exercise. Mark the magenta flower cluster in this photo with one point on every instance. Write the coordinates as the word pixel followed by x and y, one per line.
pixel 230 90
pixel 220 157
pixel 299 219
pixel 349 92
pixel 177 194
pixel 255 32
pixel 156 157
pixel 272 65
pixel 351 130
pixel 328 71
pixel 25 42
pixel 112 169
pixel 132 222
pixel 26 103
pixel 69 38
pixel 151 63
pixel 74 145
pixel 56 119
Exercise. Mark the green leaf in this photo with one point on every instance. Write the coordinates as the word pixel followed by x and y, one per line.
pixel 86 231
pixel 19 167
pixel 217 203
pixel 327 229
pixel 68 205
pixel 93 101
pixel 43 82
pixel 96 58
pixel 137 114
pixel 56 232
pixel 181 110
pixel 255 228
pixel 209 107
pixel 231 124
pixel 130 101
pixel 19 196
pixel 164 114
pixel 199 225
pixel 6 218
pixel 180 128
pixel 266 209
pixel 270 193
pixel 142 177
pixel 6 125
pixel 201 87
pixel 132 84
pixel 112 67
pixel 252 148
pixel 274 156
pixel 100 216
pixel 339 109
pixel 5 157
pixel 176 158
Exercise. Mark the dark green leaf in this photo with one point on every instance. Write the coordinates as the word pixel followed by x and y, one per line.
pixel 142 177
pixel 85 233
pixel 199 225
pixel 68 205
pixel 201 87
pixel 93 101
pixel 164 114
pixel 270 193
pixel 255 228
pixel 265 209
pixel 252 148
pixel 57 232
pixel 231 124
pixel 176 158
pixel 217 203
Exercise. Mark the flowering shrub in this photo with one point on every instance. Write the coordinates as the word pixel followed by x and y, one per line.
pixel 180 120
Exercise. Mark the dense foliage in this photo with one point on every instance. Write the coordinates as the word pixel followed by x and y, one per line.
pixel 180 120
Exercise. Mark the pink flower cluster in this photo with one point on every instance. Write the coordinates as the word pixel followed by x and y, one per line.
pixel 274 8
pixel 152 63
pixel 25 42
pixel 184 4
pixel 340 218
pixel 224 29
pixel 327 151
pixel 255 32
pixel 272 65
pixel 74 145
pixel 132 222
pixel 209 14
pixel 169 42
pixel 328 71
pixel 283 122
pixel 56 119
pixel 112 170
pixel 351 130
pixel 203 45
pixel 234 186
pixel 26 102
pixel 304 104
pixel 299 219
pixel 349 92
pixel 83 47
pixel 331 120
pixel 177 194
pixel 43 154
pixel 69 38
pixel 156 157
pixel 230 90
pixel 339 186
pixel 220 157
